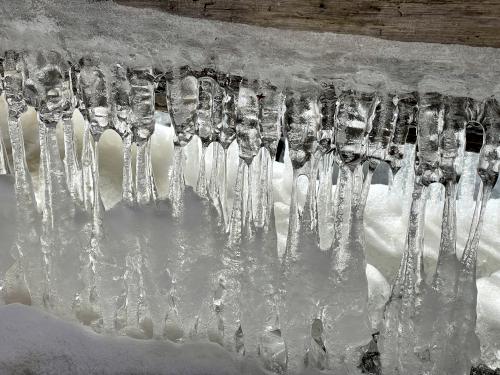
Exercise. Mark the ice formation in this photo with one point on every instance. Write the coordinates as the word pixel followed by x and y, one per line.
pixel 196 267
pixel 204 260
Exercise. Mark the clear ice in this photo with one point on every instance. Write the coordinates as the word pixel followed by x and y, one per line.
pixel 203 263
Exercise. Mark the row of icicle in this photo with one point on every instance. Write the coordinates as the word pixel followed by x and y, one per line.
pixel 318 303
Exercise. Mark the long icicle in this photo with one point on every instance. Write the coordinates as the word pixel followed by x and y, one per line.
pixel 300 304
pixel 121 122
pixel 4 159
pixel 71 164
pixel 487 169
pixel 22 280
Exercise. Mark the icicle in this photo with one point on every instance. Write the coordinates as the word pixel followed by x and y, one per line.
pixel 127 184
pixel 182 100
pixel 406 117
pixel 262 189
pixel 14 78
pixel 382 135
pixel 344 332
pixel 302 280
pixel 271 109
pixel 142 181
pixel 325 202
pixel 47 87
pixel 452 139
pixel 241 235
pixel 450 135
pixel 328 103
pixel 342 203
pixel 95 95
pixel 400 308
pixel 249 141
pixel 184 311
pixel 465 339
pixel 22 280
pixel 228 135
pixel 71 164
pixel 219 94
pixel 176 176
pixel 311 198
pixel 87 178
pixel 4 159
pixel 467 184
pixel 205 127
pixel 121 123
pixel 214 188
pixel 152 182
pixel 90 306
pixel 142 103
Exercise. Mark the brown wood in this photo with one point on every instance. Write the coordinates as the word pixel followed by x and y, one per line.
pixel 469 22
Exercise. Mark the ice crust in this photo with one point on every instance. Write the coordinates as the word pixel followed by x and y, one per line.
pixel 117 33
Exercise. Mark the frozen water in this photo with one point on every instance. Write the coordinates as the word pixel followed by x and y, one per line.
pixel 205 238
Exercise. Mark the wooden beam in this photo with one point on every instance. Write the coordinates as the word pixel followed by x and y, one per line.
pixel 469 22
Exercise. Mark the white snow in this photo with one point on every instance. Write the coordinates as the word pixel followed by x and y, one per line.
pixel 35 342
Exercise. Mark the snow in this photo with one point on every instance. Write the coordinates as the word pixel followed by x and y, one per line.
pixel 35 342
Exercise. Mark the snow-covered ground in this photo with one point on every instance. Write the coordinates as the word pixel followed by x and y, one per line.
pixel 35 342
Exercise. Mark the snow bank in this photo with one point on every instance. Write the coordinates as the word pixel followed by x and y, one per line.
pixel 34 342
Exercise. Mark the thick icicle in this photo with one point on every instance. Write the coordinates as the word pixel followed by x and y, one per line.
pixel 14 83
pixel 22 280
pixel 271 109
pixel 71 164
pixel 4 159
pixel 228 134
pixel 204 116
pixel 142 119
pixel 401 303
pixel 91 306
pixel 217 153
pixel 141 318
pixel 347 326
pixel 249 142
pixel 406 118
pixel 47 71
pixel 242 231
pixel 406 327
pixel 383 131
pixel 328 103
pixel 194 297
pixel 304 265
pixel 121 123
pixel 465 339
pixel 182 99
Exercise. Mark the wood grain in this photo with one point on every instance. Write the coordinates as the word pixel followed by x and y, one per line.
pixel 469 22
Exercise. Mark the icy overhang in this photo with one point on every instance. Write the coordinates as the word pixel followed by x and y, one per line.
pixel 287 58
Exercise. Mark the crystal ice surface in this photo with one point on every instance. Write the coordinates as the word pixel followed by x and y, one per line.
pixel 266 260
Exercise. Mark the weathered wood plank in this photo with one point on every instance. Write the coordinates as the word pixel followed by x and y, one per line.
pixel 469 22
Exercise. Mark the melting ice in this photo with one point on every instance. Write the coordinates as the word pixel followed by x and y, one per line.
pixel 203 261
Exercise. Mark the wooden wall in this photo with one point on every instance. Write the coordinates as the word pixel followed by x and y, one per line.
pixel 469 22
